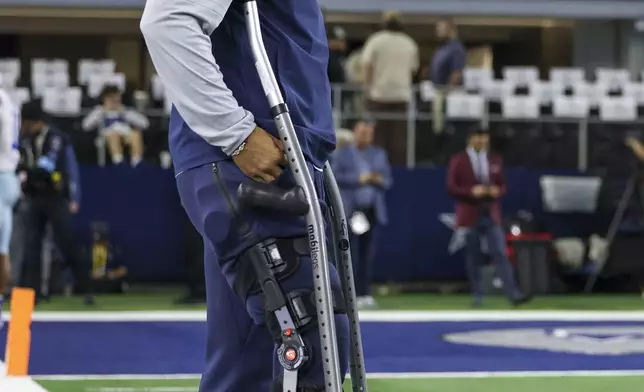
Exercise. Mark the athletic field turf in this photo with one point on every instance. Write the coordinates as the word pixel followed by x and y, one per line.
pixel 500 384
pixel 414 343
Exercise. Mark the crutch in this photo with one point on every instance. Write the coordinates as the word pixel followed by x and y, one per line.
pixel 613 228
pixel 342 250
pixel 314 217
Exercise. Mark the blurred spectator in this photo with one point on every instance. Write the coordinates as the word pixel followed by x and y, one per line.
pixel 363 174
pixel 390 58
pixel 9 185
pixel 118 125
pixel 337 54
pixel 52 192
pixel 336 68
pixel 355 67
pixel 446 67
pixel 355 77
pixel 475 179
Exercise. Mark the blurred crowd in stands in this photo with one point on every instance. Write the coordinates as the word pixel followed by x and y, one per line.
pixel 425 111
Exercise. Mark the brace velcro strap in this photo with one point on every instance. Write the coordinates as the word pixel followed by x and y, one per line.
pixel 302 308
pixel 281 257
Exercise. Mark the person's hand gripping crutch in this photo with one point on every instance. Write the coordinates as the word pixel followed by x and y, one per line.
pixel 261 157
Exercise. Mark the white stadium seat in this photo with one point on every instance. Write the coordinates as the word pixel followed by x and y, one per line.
pixel 475 78
pixel 87 68
pixel 97 82
pixel 521 76
pixel 41 81
pixel 66 101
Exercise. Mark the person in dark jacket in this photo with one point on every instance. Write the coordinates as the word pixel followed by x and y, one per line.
pixel 53 194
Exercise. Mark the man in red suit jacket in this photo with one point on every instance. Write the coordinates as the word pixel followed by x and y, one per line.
pixel 475 179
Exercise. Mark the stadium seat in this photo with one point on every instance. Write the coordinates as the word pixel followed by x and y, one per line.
pixel 49 66
pixel 521 76
pixel 566 77
pixel 9 73
pixel 65 101
pixel 618 109
pixel 42 81
pixel 571 107
pixel 593 91
pixel 475 78
pixel 520 107
pixel 613 78
pixel 98 81
pixel 463 106
pixel 543 91
pixel 464 113
pixel 87 68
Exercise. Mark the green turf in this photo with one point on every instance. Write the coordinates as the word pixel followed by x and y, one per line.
pixel 164 301
pixel 560 384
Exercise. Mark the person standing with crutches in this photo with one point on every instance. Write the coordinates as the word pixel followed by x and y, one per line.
pixel 224 133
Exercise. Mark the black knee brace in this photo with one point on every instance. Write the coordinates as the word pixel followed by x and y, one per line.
pixel 288 315
pixel 282 259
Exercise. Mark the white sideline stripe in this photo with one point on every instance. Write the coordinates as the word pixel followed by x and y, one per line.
pixel 365 316
pixel 143 389
pixel 432 375
pixel 512 374
pixel 116 377
pixel 17 384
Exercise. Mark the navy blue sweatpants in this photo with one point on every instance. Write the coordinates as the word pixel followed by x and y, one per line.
pixel 240 354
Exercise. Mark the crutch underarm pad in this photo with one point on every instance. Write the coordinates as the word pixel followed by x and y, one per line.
pixel 254 194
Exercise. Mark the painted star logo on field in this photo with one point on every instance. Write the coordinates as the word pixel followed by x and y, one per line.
pixel 457 242
pixel 591 340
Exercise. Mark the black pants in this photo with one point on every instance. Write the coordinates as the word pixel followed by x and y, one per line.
pixel 362 255
pixel 54 211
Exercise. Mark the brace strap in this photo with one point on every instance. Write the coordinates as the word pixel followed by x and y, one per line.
pixel 283 262
pixel 301 305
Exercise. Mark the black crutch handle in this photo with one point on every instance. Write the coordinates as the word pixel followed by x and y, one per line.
pixel 255 194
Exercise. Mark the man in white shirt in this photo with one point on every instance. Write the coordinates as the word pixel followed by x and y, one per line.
pixel 9 186
pixel 390 59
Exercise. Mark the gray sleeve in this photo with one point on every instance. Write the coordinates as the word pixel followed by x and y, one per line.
pixel 136 119
pixel 93 119
pixel 177 35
